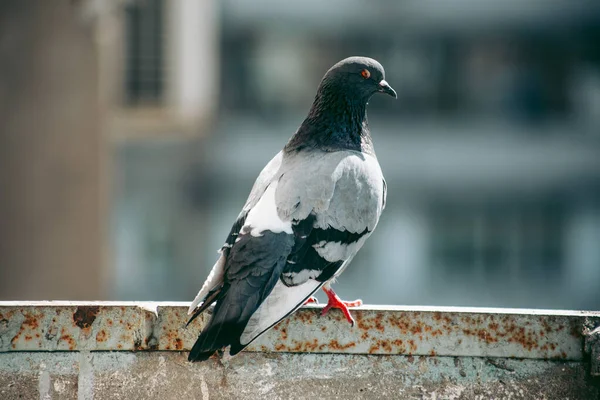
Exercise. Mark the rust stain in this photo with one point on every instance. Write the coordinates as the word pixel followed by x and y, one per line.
pixel 85 316
pixel 70 341
pixel 416 329
pixel 377 322
pixel 178 344
pixel 304 316
pixel 31 321
pixel 302 346
pixel 413 346
pixel 173 340
pixel 412 324
pixel 14 340
pixel 525 338
pixel 335 345
pixel 101 336
pixel 373 348
pixel 280 347
pixel 482 334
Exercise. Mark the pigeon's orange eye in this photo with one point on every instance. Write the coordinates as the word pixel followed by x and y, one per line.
pixel 365 73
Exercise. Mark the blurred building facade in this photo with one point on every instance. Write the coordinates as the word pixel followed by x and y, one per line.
pixel 491 153
pixel 53 157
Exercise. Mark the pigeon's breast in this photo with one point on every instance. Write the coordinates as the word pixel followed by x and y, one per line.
pixel 344 190
pixel 358 196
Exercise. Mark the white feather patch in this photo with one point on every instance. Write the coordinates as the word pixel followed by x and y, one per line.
pixel 336 251
pixel 281 301
pixel 214 278
pixel 263 216
pixel 295 278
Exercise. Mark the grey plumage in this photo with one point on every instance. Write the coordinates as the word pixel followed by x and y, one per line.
pixel 310 210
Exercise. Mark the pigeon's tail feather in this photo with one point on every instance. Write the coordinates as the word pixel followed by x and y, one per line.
pixel 222 329
pixel 234 308
pixel 198 356
pixel 253 269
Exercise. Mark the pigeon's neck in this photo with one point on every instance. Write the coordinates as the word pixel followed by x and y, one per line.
pixel 335 122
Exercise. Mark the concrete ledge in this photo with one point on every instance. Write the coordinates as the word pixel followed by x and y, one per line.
pixel 63 350
pixel 512 333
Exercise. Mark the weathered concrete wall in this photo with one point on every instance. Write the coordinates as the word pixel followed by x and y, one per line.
pixel 168 375
pixel 58 350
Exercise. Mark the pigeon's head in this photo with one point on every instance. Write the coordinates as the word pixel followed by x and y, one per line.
pixel 358 78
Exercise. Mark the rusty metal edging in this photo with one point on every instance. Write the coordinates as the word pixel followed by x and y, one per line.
pixel 442 331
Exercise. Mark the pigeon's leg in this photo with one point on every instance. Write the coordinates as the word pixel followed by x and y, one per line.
pixel 335 302
pixel 311 300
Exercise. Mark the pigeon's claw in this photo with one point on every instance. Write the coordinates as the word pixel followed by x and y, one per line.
pixel 335 302
pixel 311 300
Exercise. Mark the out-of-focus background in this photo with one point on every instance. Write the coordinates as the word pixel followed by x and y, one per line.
pixel 132 131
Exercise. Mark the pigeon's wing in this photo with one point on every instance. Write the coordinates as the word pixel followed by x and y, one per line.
pixel 253 265
pixel 335 200
pixel 215 278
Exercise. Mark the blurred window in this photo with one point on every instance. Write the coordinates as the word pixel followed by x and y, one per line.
pixel 144 60
pixel 518 240
pixel 510 75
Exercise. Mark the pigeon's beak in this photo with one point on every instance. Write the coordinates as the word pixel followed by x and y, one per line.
pixel 385 87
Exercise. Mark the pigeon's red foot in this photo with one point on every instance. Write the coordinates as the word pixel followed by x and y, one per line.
pixel 311 300
pixel 335 302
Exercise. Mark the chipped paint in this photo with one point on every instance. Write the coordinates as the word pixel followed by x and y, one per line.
pixel 411 331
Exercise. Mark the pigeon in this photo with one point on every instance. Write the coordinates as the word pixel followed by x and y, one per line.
pixel 311 209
